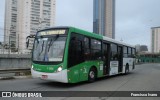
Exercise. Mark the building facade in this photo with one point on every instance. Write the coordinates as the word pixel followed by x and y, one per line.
pixel 104 17
pixel 155 39
pixel 25 17
pixel 141 48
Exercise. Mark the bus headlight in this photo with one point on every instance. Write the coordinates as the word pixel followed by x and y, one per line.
pixel 59 69
pixel 32 67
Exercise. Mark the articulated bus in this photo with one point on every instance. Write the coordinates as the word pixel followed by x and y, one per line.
pixel 72 55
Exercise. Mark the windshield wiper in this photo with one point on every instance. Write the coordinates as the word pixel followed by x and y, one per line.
pixel 52 41
pixel 36 39
pixel 42 47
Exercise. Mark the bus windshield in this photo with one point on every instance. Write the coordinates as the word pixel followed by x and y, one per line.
pixel 49 49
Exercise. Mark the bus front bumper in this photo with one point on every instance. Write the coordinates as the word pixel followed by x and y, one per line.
pixel 57 77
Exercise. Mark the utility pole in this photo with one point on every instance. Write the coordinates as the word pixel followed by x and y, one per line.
pixel 18 43
pixel 3 47
pixel 9 46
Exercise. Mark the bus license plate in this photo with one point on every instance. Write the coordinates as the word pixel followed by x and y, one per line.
pixel 44 76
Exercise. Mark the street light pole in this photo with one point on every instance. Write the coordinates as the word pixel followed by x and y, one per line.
pixel 9 46
pixel 18 44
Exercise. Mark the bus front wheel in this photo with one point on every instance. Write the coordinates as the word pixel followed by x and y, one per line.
pixel 92 75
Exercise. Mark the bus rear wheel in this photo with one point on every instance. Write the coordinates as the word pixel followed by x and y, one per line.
pixel 92 75
pixel 127 69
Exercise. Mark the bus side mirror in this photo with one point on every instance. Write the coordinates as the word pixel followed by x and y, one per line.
pixel 30 41
pixel 27 43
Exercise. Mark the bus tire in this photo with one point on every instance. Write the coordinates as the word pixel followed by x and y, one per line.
pixel 133 65
pixel 92 74
pixel 127 69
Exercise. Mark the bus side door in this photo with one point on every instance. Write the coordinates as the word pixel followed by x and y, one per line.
pixel 106 55
pixel 75 57
pixel 120 58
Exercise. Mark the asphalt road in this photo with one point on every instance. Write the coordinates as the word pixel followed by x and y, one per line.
pixel 145 77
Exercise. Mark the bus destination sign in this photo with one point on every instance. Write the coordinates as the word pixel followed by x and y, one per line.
pixel 51 32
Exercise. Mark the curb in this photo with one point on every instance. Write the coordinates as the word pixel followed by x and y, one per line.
pixel 15 77
pixel 22 77
pixel 6 78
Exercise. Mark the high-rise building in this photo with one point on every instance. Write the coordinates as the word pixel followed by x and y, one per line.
pixel 104 17
pixel 138 46
pixel 141 48
pixel 25 17
pixel 155 39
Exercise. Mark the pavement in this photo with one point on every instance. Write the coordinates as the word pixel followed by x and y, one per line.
pixel 9 74
pixel 144 78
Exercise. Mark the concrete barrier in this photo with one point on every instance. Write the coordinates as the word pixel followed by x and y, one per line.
pixel 15 61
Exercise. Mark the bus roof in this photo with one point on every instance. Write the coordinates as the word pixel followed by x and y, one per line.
pixel 86 33
pixel 105 38
pixel 91 34
pixel 117 42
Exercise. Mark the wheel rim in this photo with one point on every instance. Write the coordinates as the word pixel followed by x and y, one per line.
pixel 127 71
pixel 92 74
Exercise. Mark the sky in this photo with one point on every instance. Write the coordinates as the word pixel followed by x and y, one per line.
pixel 134 18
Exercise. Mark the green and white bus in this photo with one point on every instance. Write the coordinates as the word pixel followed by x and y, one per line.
pixel 72 55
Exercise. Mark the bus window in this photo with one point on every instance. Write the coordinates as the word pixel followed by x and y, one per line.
pixel 125 52
pixel 129 52
pixel 75 55
pixel 87 51
pixel 96 49
pixel 114 52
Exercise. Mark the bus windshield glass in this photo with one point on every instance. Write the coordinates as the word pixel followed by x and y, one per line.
pixel 49 49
